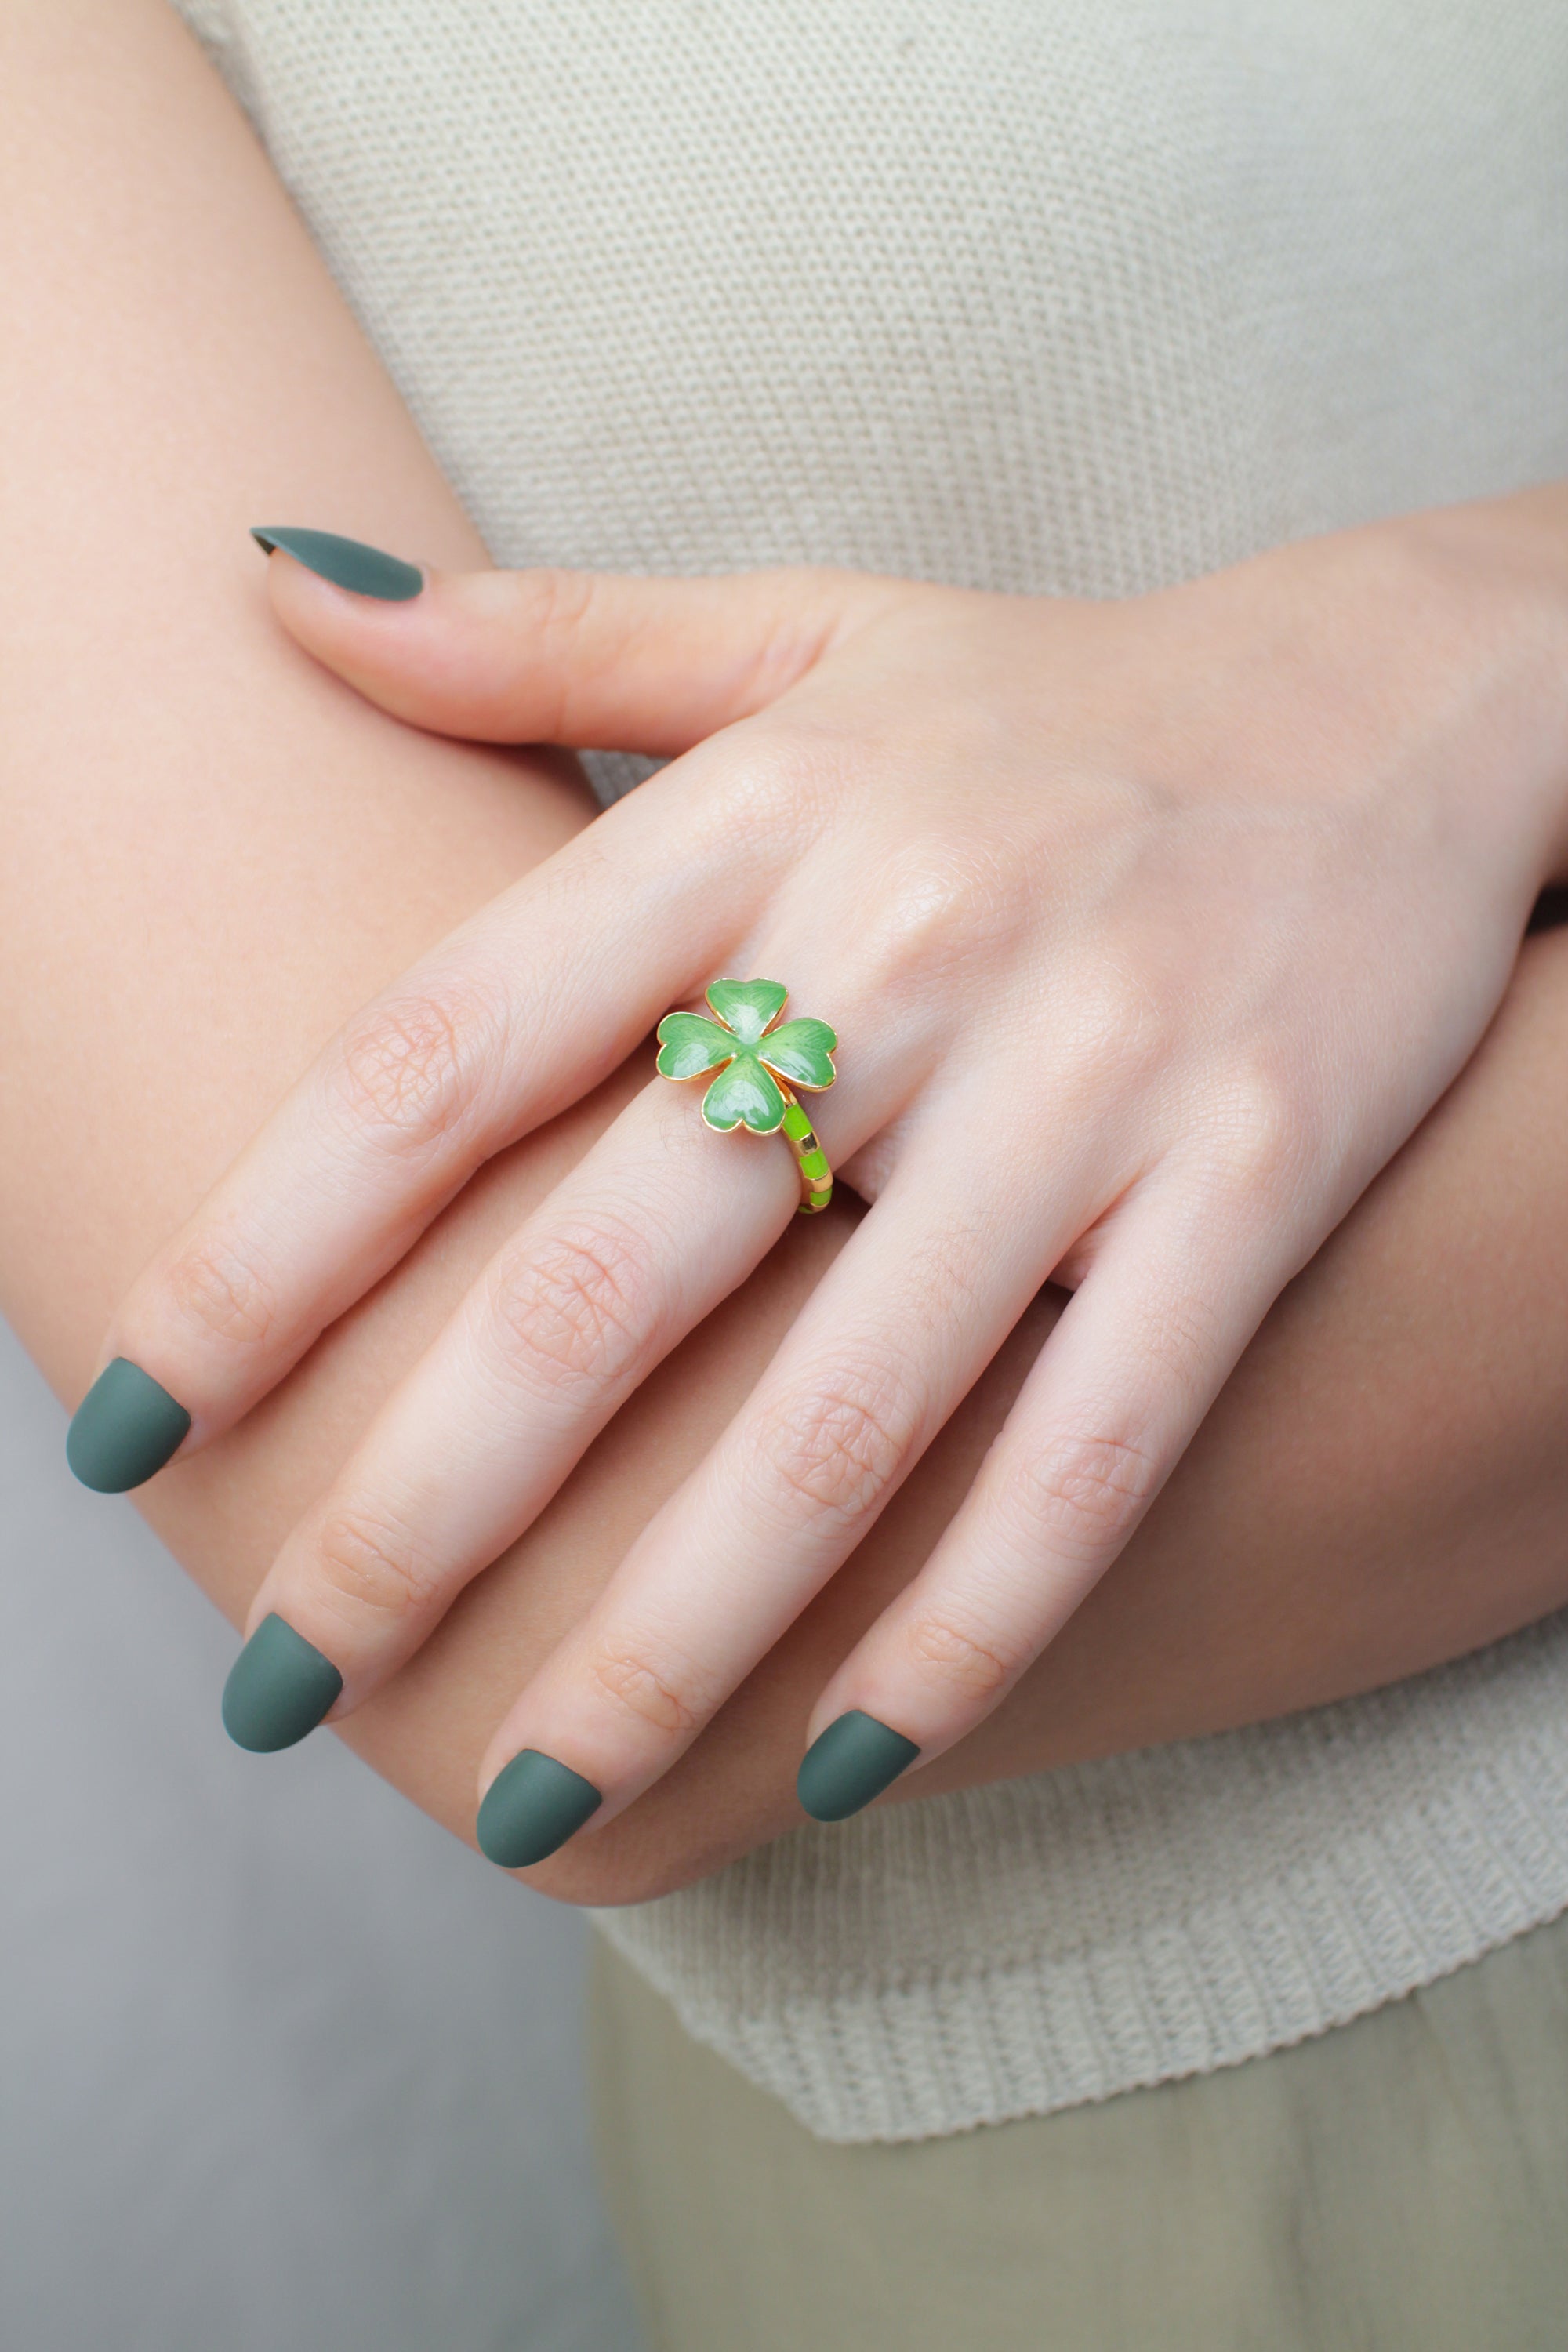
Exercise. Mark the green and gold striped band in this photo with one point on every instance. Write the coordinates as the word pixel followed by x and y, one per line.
pixel 815 1175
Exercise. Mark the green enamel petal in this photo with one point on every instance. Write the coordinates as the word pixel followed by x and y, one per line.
pixel 689 1043
pixel 799 1051
pixel 748 1005
pixel 744 1095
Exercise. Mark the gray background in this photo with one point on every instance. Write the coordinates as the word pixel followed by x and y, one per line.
pixel 282 2065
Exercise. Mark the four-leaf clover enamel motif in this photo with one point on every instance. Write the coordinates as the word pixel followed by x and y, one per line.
pixel 749 1054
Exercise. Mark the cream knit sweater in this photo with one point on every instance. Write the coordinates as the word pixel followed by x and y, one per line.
pixel 1084 295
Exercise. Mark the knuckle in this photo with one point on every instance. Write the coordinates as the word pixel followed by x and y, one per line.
pixel 979 1671
pixel 835 1449
pixel 625 1675
pixel 218 1286
pixel 940 902
pixel 573 1310
pixel 1257 1135
pixel 1113 1020
pixel 1082 1496
pixel 366 1560
pixel 408 1068
pixel 765 784
pixel 556 608
pixel 555 604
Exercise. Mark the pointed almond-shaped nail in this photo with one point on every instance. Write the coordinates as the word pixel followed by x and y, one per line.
pixel 346 562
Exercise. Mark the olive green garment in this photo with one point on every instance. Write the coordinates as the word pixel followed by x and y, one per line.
pixel 1398 2185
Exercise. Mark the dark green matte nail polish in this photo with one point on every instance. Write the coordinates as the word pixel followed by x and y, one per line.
pixel 125 1428
pixel 278 1688
pixel 533 1805
pixel 347 563
pixel 848 1764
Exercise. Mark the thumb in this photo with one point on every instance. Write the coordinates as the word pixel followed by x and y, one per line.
pixel 594 660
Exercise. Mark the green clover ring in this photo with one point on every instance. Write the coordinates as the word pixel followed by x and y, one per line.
pixel 757 1069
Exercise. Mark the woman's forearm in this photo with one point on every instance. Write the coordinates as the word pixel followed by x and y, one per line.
pixel 213 853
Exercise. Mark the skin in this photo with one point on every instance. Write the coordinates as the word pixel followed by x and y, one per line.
pixel 215 853
pixel 1181 991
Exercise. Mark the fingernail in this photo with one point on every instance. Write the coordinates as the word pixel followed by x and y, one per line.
pixel 124 1429
pixel 533 1806
pixel 848 1764
pixel 278 1688
pixel 347 563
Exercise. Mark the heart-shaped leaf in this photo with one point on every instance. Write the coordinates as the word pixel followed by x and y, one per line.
pixel 801 1052
pixel 689 1043
pixel 744 1095
pixel 747 1006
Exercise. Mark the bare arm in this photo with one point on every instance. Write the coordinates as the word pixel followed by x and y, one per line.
pixel 213 853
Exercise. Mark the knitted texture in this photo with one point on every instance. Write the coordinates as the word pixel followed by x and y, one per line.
pixel 1073 295
pixel 967 1959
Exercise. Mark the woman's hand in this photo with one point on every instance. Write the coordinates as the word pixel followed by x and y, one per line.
pixel 1150 930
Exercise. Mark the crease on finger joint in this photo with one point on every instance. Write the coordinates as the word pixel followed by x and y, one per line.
pixel 371 1562
pixel 833 1450
pixel 576 1310
pixel 1078 1498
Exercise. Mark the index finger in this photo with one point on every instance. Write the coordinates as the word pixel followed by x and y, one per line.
pixel 518 1013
